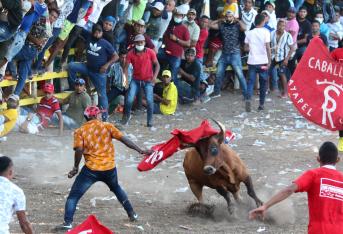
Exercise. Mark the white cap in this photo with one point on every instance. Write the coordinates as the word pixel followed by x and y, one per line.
pixel 182 9
pixel 266 12
pixel 159 6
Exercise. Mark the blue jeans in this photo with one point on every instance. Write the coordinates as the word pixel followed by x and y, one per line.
pixel 263 77
pixel 16 45
pixel 98 80
pixel 5 31
pixel 24 59
pixel 157 109
pixel 55 33
pixel 148 87
pixel 85 180
pixel 236 63
pixel 173 62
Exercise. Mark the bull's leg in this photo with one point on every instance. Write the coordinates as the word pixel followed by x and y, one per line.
pixel 226 196
pixel 251 191
pixel 197 190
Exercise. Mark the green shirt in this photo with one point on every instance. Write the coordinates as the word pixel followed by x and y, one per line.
pixel 77 105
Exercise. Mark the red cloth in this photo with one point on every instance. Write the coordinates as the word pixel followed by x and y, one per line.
pixel 316 87
pixel 165 150
pixel 337 55
pixel 46 109
pixel 142 64
pixel 199 47
pixel 90 225
pixel 173 48
pixel 324 189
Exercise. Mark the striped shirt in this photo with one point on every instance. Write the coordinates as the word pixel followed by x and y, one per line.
pixel 281 47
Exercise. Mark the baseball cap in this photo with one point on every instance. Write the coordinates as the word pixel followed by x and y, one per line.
pixel 80 81
pixel 92 111
pixel 140 22
pixel 166 73
pixel 270 3
pixel 110 19
pixel 48 88
pixel 192 10
pixel 266 12
pixel 13 97
pixel 139 37
pixel 204 82
pixel 182 9
pixel 292 9
pixel 159 6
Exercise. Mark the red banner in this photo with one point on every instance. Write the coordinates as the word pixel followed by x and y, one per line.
pixel 90 226
pixel 165 150
pixel 316 87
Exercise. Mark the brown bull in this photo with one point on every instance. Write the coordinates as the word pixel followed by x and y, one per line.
pixel 214 164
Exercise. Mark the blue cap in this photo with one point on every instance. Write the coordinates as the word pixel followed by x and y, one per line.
pixel 110 19
pixel 80 81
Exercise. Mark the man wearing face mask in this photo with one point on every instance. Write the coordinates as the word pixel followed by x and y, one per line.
pixel 193 28
pixel 100 56
pixel 175 39
pixel 145 71
pixel 133 30
pixel 324 28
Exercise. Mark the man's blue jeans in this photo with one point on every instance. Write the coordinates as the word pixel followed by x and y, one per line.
pixel 236 63
pixel 173 62
pixel 148 87
pixel 24 59
pixel 98 80
pixel 85 180
pixel 5 32
pixel 55 33
pixel 263 77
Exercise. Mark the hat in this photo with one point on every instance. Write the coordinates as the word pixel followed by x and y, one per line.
pixel 159 6
pixel 292 9
pixel 204 82
pixel 270 3
pixel 80 81
pixel 266 12
pixel 48 88
pixel 139 37
pixel 92 111
pixel 182 9
pixel 166 73
pixel 229 12
pixel 190 51
pixel 110 19
pixel 13 97
pixel 192 10
pixel 140 22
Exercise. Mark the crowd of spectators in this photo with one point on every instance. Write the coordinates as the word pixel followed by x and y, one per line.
pixel 157 54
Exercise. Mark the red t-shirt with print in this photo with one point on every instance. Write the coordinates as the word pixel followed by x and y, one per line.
pixel 324 187
pixel 46 109
pixel 173 48
pixel 142 63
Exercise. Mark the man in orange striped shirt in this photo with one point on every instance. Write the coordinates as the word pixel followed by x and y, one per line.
pixel 93 140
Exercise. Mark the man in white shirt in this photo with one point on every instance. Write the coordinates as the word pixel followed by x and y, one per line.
pixel 336 32
pixel 257 42
pixel 170 7
pixel 12 199
pixel 248 14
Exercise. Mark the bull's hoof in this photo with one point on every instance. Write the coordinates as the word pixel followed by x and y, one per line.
pixel 201 210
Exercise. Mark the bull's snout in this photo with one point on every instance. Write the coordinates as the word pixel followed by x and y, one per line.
pixel 209 170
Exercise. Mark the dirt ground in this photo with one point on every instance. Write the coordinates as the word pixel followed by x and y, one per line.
pixel 277 145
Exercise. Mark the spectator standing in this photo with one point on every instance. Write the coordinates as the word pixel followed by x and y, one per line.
pixel 154 26
pixel 336 32
pixel 325 212
pixel 199 47
pixel 257 42
pixel 324 28
pixel 9 117
pixel 98 152
pixel 169 8
pixel 175 39
pixel 248 14
pixel 282 50
pixel 138 9
pixel 270 7
pixel 316 33
pixel 167 104
pixel 12 199
pixel 292 27
pixel 133 30
pixel 100 56
pixel 304 32
pixel 229 30
pixel 193 28
pixel 145 71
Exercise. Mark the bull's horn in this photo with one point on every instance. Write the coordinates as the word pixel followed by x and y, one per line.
pixel 222 130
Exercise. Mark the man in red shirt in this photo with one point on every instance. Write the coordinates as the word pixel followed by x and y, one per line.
pixel 145 71
pixel 133 30
pixel 324 187
pixel 175 39
pixel 337 55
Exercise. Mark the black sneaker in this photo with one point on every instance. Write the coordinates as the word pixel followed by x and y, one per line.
pixel 64 227
pixel 149 125
pixel 215 95
pixel 125 120
pixel 247 106
pixel 260 108
pixel 133 216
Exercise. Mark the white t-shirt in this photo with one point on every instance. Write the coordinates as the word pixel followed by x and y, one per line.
pixel 12 199
pixel 257 39
pixel 98 5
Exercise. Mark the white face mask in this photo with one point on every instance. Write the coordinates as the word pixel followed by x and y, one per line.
pixel 139 47
pixel 190 21
pixel 320 20
pixel 177 20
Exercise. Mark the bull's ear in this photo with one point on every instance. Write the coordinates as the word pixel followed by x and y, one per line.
pixel 221 134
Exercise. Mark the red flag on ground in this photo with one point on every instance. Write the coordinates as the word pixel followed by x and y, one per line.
pixel 90 226
pixel 165 150
pixel 316 87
